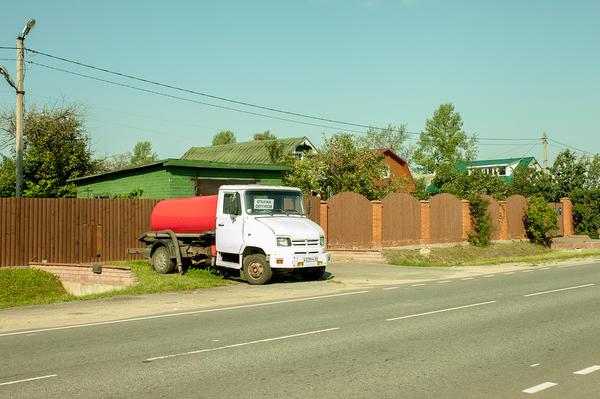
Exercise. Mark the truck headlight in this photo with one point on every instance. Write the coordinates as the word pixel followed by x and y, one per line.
pixel 284 242
pixel 322 241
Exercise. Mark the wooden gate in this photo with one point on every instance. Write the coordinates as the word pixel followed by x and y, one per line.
pixel 559 222
pixel 349 222
pixel 493 211
pixel 312 207
pixel 445 219
pixel 401 220
pixel 515 210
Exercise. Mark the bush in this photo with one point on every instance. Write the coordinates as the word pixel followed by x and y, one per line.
pixel 482 223
pixel 540 221
pixel 586 211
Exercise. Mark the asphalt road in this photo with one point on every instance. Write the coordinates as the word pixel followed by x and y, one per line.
pixel 517 334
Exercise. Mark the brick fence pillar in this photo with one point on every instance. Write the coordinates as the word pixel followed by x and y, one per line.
pixel 567 217
pixel 377 224
pixel 466 220
pixel 425 222
pixel 502 221
pixel 323 216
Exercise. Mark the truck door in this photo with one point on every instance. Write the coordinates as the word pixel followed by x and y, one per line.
pixel 230 224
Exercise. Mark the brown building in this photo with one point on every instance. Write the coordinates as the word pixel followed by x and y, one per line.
pixel 397 168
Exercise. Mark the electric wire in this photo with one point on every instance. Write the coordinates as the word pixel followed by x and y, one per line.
pixel 189 99
pixel 569 146
pixel 245 103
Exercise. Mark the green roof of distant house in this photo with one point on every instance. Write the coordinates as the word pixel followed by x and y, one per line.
pixel 251 152
pixel 186 163
pixel 523 162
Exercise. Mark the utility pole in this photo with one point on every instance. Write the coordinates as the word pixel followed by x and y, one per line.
pixel 545 142
pixel 19 109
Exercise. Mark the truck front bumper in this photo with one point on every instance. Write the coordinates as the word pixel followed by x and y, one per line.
pixel 293 261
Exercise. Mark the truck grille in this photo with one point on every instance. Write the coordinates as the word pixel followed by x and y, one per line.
pixel 305 243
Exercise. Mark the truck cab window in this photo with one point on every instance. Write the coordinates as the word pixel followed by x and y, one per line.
pixel 231 204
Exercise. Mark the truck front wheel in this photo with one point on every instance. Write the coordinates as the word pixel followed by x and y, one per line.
pixel 256 269
pixel 161 260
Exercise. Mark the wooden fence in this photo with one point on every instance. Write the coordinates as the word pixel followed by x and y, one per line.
pixel 86 230
pixel 70 230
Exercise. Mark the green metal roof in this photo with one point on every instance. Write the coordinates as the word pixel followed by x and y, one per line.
pixel 187 163
pixel 251 152
pixel 523 162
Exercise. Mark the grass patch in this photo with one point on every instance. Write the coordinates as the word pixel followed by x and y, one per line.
pixel 465 255
pixel 20 287
pixel 29 286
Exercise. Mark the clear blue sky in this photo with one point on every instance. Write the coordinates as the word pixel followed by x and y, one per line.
pixel 512 68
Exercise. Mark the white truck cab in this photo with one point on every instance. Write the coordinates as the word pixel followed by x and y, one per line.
pixel 263 228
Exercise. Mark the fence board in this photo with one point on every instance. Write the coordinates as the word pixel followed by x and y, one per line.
pixel 401 220
pixel 312 206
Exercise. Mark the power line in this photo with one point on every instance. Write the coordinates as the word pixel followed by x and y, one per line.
pixel 245 103
pixel 530 148
pixel 571 147
pixel 189 99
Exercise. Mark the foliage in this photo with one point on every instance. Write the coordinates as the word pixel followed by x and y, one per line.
pixel 421 189
pixel 481 220
pixel 134 194
pixel 392 137
pixel 540 221
pixel 465 185
pixel 586 211
pixel 56 149
pixel 593 174
pixel 142 154
pixel 224 137
pixel 568 172
pixel 529 182
pixel 7 177
pixel 266 135
pixel 443 143
pixel 342 165
pixel 27 286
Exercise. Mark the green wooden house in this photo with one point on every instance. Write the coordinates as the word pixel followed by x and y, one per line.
pixel 172 178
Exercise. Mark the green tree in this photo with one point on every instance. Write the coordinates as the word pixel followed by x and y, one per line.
pixel 529 182
pixel 540 221
pixel 342 165
pixel 266 135
pixel 392 137
pixel 593 174
pixel 568 172
pixel 142 154
pixel 224 137
pixel 464 185
pixel 56 149
pixel 443 143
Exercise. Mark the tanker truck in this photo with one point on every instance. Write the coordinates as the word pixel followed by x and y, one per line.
pixel 251 229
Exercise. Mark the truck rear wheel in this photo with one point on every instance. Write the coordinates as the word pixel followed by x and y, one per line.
pixel 162 262
pixel 312 273
pixel 256 269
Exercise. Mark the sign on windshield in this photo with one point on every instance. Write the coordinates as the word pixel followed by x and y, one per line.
pixel 274 202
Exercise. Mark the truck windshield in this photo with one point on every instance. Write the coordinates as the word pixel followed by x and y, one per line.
pixel 269 202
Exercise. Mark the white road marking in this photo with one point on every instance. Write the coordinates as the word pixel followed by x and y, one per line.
pixel 255 305
pixel 441 310
pixel 527 271
pixel 468 278
pixel 390 288
pixel 544 268
pixel 240 344
pixel 509 273
pixel 418 285
pixel 28 379
pixel 444 282
pixel 540 387
pixel 588 370
pixel 489 275
pixel 561 289
pixel 534 365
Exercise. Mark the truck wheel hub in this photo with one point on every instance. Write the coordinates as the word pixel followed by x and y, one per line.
pixel 256 270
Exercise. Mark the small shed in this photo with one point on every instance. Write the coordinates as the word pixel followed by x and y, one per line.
pixel 173 178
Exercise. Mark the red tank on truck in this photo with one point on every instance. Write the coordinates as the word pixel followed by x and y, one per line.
pixel 253 230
